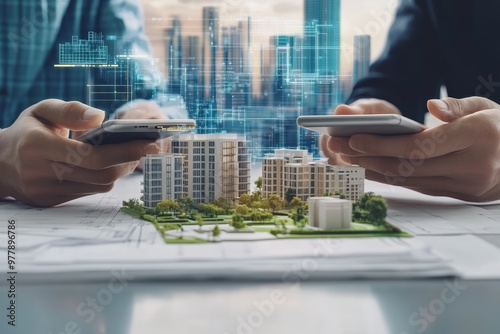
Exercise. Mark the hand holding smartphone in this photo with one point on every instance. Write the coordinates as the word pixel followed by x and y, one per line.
pixel 348 125
pixel 125 130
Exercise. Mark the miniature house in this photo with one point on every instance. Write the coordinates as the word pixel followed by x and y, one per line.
pixel 296 169
pixel 330 213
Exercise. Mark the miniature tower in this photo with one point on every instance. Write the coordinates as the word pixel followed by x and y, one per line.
pixel 215 165
pixel 163 178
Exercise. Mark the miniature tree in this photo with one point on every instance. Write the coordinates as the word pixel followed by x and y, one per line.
pixel 199 221
pixel 293 215
pixel 275 202
pixel 262 204
pixel 168 205
pixel 377 209
pixel 241 209
pixel 245 199
pixel 179 226
pixel 364 198
pixel 205 209
pixel 216 232
pixel 283 226
pixel 258 183
pixel 238 222
pixel 341 196
pixel 302 223
pixel 223 203
pixel 186 204
pixel 256 195
pixel 135 205
pixel 290 195
pixel 370 208
pixel 296 202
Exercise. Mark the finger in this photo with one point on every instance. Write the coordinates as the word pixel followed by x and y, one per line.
pixel 341 146
pixel 99 157
pixel 140 109
pixel 51 193
pixel 64 172
pixel 71 115
pixel 418 167
pixel 52 200
pixel 430 143
pixel 367 106
pixel 435 182
pixel 450 109
pixel 345 109
pixel 140 114
pixel 323 144
pixel 333 158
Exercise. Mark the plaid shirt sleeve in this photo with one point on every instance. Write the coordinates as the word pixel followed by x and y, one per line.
pixel 30 33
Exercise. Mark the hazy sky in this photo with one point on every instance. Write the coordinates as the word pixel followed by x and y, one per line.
pixel 271 17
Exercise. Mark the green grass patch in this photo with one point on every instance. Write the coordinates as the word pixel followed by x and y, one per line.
pixel 364 234
pixel 257 223
pixel 172 220
pixel 130 212
pixel 343 232
pixel 264 229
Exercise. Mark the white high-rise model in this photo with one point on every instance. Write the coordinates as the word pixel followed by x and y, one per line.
pixel 296 169
pixel 213 166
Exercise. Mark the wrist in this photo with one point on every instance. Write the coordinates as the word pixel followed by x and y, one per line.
pixel 4 165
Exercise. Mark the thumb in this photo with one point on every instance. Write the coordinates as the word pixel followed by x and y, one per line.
pixel 70 115
pixel 345 109
pixel 367 106
pixel 450 109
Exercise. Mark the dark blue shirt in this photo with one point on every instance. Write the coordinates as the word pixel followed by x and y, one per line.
pixel 431 43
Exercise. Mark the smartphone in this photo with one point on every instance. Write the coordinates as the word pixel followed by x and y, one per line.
pixel 124 130
pixel 348 125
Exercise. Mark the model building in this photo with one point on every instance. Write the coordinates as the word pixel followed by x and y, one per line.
pixel 202 167
pixel 297 170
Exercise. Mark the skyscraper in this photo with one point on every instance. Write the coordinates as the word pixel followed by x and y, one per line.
pixel 210 43
pixel 362 50
pixel 191 89
pixel 174 55
pixel 321 36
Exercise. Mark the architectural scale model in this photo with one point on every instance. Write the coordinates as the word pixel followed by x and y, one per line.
pixel 199 192
pixel 203 167
pixel 296 170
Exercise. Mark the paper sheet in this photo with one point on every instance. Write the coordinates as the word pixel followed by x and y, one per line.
pixel 428 215
pixel 90 236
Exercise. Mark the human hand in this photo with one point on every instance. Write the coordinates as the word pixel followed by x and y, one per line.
pixel 459 159
pixel 140 109
pixel 363 106
pixel 41 166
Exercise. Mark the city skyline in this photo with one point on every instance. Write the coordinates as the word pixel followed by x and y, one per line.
pixel 273 17
pixel 252 76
